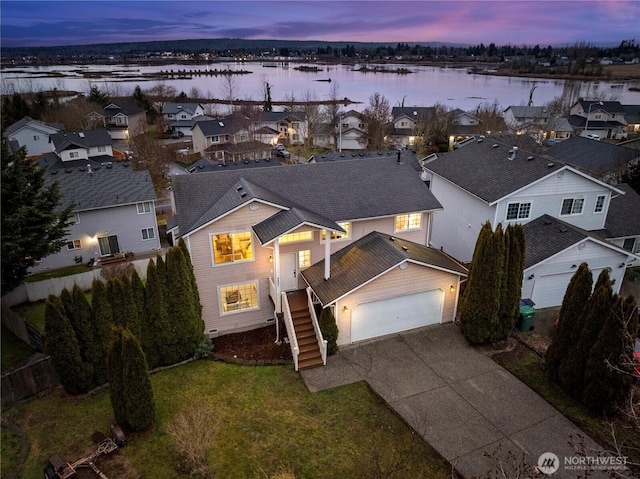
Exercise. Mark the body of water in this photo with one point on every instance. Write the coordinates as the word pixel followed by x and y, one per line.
pixel 425 86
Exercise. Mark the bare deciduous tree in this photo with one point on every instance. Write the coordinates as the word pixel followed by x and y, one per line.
pixel 229 88
pixel 490 118
pixel 193 436
pixel 150 154
pixel 377 116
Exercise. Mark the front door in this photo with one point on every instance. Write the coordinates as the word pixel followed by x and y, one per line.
pixel 289 271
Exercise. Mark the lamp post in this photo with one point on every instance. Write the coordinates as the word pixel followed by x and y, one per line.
pixel 586 125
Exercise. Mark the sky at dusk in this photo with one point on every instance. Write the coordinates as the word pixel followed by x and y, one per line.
pixel 543 22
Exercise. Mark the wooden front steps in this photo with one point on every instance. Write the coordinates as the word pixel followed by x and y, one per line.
pixel 309 352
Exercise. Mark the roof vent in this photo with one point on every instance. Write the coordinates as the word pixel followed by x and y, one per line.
pixel 480 140
pixel 82 168
pixel 68 170
pixel 126 165
pixel 550 165
pixel 405 248
pixel 54 172
pixel 563 230
pixel 246 162
pixel 243 194
pixel 267 159
pixel 179 107
pixel 239 188
pixel 495 145
pixel 548 222
pixel 221 124
pixel 530 158
pixel 392 238
pixel 81 135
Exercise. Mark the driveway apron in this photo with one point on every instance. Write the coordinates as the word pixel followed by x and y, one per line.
pixel 460 400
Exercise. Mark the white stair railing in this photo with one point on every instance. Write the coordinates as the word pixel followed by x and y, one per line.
pixel 291 332
pixel 322 343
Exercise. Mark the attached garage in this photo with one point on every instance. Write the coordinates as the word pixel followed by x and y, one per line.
pixel 387 316
pixel 549 289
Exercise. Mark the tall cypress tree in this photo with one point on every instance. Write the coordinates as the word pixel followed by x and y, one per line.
pixel 192 277
pixel 608 375
pixel 138 328
pixel 479 312
pixel 158 319
pixel 88 337
pixel 132 396
pixel 66 298
pixel 123 303
pixel 102 314
pixel 512 280
pixel 575 298
pixel 62 345
pixel 571 374
pixel 184 316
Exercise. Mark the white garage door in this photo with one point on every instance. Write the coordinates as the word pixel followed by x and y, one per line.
pixel 548 290
pixel 387 316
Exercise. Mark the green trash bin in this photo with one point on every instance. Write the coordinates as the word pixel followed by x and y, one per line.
pixel 525 322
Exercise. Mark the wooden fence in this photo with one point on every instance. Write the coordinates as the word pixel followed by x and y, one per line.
pixel 36 376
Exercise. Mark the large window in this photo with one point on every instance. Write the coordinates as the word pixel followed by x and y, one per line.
pixel 74 244
pixel 411 221
pixel 572 206
pixel 518 211
pixel 232 247
pixel 304 258
pixel 296 237
pixel 599 204
pixel 144 207
pixel 239 297
pixel 345 225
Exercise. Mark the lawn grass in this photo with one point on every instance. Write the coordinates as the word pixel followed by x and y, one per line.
pixel 33 313
pixel 14 350
pixel 526 367
pixel 264 419
pixel 10 450
pixel 57 273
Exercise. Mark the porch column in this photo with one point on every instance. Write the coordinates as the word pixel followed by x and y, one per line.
pixel 327 255
pixel 276 266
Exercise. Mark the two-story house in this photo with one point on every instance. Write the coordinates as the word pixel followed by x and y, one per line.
pixel 33 135
pixel 262 238
pixel 228 140
pixel 526 119
pixel 605 119
pixel 290 127
pixel 181 117
pixel 122 120
pixel 346 135
pixel 71 149
pixel 488 180
pixel 114 212
pixel 407 121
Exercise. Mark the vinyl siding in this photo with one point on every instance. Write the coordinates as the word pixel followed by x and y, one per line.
pixel 397 282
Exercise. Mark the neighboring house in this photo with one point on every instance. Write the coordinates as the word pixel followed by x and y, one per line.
pixel 600 159
pixel 488 180
pixel 33 135
pixel 82 148
pixel 257 233
pixel 114 213
pixel 407 156
pixel 405 121
pixel 220 134
pixel 622 227
pixel 290 127
pixel 122 120
pixel 350 131
pixel 555 249
pixel 181 117
pixel 525 119
pixel 462 125
pixel 603 118
pixel 632 117
pixel 556 130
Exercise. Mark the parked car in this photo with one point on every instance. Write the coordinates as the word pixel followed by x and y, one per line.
pixel 279 146
pixel 177 134
pixel 283 154
pixel 593 136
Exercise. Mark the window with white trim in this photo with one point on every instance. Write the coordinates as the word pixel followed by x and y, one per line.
pixel 296 237
pixel 74 154
pixel 238 297
pixel 518 211
pixel 36 137
pixel 74 244
pixel 632 244
pixel 335 236
pixel 144 207
pixel 599 208
pixel 147 234
pixel 304 258
pixel 572 206
pixel 232 247
pixel 74 218
pixel 411 221
pixel 102 149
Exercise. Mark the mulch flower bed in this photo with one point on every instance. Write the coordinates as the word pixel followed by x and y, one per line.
pixel 257 346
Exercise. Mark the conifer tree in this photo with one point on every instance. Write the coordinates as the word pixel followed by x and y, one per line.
pixel 158 319
pixel 123 304
pixel 608 375
pixel 511 289
pixel 88 336
pixel 481 303
pixel 138 328
pixel 575 298
pixel 66 298
pixel 571 374
pixel 62 345
pixel 131 392
pixel 161 269
pixel 192 277
pixel 102 314
pixel 329 329
pixel 184 317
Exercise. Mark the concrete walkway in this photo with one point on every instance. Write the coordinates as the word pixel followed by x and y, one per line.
pixel 461 401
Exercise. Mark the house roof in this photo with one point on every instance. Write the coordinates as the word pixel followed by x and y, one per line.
pixel 529 111
pixel 416 113
pixel 241 147
pixel 593 156
pixel 339 191
pixel 608 106
pixel 547 236
pixel 18 125
pixel 559 124
pixel 105 186
pixel 632 114
pixel 124 108
pixel 53 161
pixel 173 108
pixel 287 220
pixel 580 122
pixel 223 126
pixel 189 123
pixel 369 257
pixel 483 168
pixel 81 139
pixel 206 164
pixel 623 219
pixel 276 116
pixel 405 155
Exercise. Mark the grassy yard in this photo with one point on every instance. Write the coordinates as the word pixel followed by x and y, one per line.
pixel 525 365
pixel 57 273
pixel 33 313
pixel 264 419
pixel 14 350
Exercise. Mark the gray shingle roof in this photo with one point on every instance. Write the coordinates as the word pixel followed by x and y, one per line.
pixel 124 108
pixel 105 186
pixel 405 155
pixel 593 156
pixel 11 129
pixel 287 220
pixel 339 191
pixel 81 139
pixel 546 236
pixel 536 112
pixel 367 258
pixel 485 170
pixel 623 218
pixel 224 126
pixel 173 108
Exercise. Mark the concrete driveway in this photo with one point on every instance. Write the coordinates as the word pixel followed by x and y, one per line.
pixel 462 402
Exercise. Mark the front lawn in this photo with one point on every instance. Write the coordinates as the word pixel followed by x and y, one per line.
pixel 525 365
pixel 264 420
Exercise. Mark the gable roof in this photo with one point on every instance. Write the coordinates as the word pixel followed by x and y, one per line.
pixel 528 111
pixel 607 106
pixel 405 155
pixel 592 156
pixel 123 108
pixel 173 108
pixel 547 236
pixel 81 139
pixel 415 113
pixel 113 184
pixel 369 257
pixel 287 220
pixel 483 168
pixel 36 124
pixel 623 219
pixel 339 191
pixel 223 126
pixel 276 116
